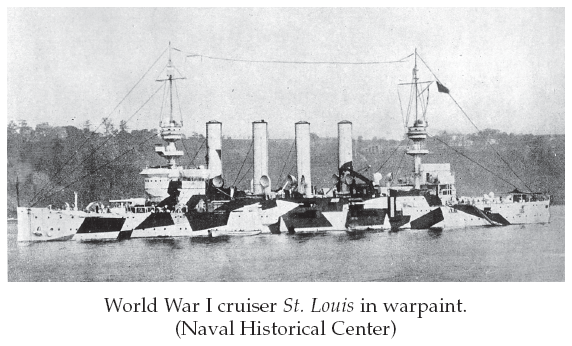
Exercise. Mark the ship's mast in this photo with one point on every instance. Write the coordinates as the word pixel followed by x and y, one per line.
pixel 170 75
pixel 171 130
pixel 417 133
pixel 415 79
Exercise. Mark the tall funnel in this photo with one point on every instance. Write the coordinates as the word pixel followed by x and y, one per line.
pixel 344 152
pixel 214 149
pixel 261 182
pixel 303 158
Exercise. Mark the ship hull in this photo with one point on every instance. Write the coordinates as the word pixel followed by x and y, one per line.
pixel 495 214
pixel 375 215
pixel 521 213
pixel 43 224
pixel 333 214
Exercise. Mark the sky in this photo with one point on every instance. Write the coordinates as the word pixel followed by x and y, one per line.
pixel 504 66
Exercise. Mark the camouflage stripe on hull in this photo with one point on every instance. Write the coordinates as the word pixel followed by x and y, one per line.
pixel 428 220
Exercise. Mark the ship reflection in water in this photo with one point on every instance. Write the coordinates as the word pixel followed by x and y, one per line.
pixel 533 252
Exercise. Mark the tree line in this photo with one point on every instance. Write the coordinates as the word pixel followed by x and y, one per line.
pixel 104 162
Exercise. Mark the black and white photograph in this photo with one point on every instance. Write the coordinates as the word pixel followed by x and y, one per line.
pixel 285 144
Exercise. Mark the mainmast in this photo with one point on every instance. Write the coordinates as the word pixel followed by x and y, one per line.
pixel 417 133
pixel 171 129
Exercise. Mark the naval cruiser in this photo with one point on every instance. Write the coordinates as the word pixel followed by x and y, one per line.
pixel 427 199
pixel 179 201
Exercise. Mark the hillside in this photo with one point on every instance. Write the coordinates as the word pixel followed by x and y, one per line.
pixel 52 162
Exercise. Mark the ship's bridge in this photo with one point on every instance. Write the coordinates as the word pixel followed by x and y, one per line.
pixel 168 151
pixel 439 178
pixel 157 181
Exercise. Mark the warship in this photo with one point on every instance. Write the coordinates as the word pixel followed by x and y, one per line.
pixel 427 199
pixel 193 201
pixel 179 201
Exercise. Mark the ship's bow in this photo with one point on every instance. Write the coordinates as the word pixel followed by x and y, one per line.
pixel 24 222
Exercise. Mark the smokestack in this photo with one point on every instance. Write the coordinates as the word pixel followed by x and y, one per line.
pixel 303 158
pixel 344 152
pixel 214 149
pixel 261 181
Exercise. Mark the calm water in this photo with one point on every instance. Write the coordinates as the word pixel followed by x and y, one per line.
pixel 513 253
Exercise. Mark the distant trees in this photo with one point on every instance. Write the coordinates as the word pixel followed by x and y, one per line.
pixel 197 135
pixel 49 159
pixel 123 126
pixel 52 162
pixel 481 139
pixel 108 127
pixel 43 129
pixel 87 126
pixel 314 137
pixel 12 128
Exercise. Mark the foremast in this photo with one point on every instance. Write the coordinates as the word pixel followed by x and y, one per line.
pixel 417 133
pixel 170 127
pixel 162 181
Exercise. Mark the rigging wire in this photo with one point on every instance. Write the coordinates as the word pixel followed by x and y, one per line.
pixel 426 105
pixel 161 71
pixel 184 146
pixel 180 74
pixel 291 169
pixel 286 161
pixel 390 155
pixel 180 111
pixel 94 132
pixel 96 169
pixel 409 106
pixel 178 101
pixel 240 170
pixel 139 81
pixel 473 161
pixel 43 189
pixel 398 168
pixel 401 109
pixel 197 153
pixel 476 127
pixel 244 176
pixel 191 55
pixel 95 150
pixel 162 103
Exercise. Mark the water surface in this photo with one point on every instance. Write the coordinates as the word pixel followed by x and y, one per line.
pixel 511 253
